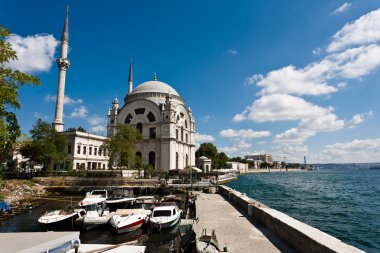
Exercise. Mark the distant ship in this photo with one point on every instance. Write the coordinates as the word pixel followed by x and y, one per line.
pixel 307 166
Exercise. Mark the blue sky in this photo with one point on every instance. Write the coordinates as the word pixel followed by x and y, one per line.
pixel 291 78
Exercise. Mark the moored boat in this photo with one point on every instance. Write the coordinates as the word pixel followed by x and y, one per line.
pixel 94 197
pixel 96 215
pixel 126 220
pixel 165 216
pixel 61 218
pixel 120 198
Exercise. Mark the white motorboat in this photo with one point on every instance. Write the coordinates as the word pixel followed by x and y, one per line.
pixel 120 198
pixel 94 197
pixel 165 216
pixel 96 215
pixel 62 217
pixel 126 220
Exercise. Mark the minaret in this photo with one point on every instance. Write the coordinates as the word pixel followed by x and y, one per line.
pixel 130 79
pixel 63 65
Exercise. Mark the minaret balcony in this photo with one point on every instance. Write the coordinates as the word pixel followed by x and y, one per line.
pixel 63 63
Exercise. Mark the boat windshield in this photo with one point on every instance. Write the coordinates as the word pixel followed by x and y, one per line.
pixel 103 193
pixel 161 213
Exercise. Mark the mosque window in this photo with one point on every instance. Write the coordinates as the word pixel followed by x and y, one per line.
pixel 84 150
pixel 181 134
pixel 152 159
pixel 78 150
pixel 186 123
pixel 95 151
pixel 90 150
pixel 187 138
pixel 128 119
pixel 139 127
pixel 69 149
pixel 176 160
pixel 177 118
pixel 152 133
pixel 140 111
pixel 176 134
pixel 151 117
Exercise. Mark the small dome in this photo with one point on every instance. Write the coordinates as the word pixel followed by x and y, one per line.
pixel 155 86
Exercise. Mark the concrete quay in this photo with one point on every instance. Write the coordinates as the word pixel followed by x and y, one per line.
pixel 244 225
pixel 234 229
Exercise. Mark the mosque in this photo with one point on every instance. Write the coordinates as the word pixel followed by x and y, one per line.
pixel 153 107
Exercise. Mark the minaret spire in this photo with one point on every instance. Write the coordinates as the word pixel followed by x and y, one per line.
pixel 63 65
pixel 130 79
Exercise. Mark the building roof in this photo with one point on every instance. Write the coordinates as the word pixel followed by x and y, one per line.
pixel 155 86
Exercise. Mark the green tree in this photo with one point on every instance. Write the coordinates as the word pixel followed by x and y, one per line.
pixel 121 146
pixel 47 146
pixel 221 160
pixel 10 82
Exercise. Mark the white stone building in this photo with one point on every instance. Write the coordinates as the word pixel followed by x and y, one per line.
pixel 241 167
pixel 167 126
pixel 204 164
pixel 266 158
pixel 84 151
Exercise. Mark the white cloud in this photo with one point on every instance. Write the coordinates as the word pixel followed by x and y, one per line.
pixel 206 118
pixel 366 150
pixel 244 133
pixel 343 8
pixel 203 138
pixel 232 52
pixel 341 85
pixel 289 80
pixel 35 53
pixel 66 100
pixel 98 129
pixel 79 112
pixel 364 30
pixel 358 119
pixel 96 120
pixel 251 80
pixel 317 51
pixel 37 115
pixel 290 152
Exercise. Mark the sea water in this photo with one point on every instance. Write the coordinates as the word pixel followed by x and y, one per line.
pixel 341 200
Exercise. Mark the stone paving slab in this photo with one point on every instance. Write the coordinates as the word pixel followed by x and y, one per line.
pixel 234 229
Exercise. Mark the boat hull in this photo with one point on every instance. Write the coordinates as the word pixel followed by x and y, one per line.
pixel 160 224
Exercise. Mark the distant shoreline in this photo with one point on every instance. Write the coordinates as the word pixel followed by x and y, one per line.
pixel 272 170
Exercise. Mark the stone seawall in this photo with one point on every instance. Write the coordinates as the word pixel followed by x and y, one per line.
pixel 299 235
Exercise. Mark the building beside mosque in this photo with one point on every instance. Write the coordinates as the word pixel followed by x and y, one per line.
pixel 166 124
pixel 153 107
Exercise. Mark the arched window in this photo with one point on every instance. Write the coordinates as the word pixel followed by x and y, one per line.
pixel 207 169
pixel 185 123
pixel 139 127
pixel 152 159
pixel 151 117
pixel 187 160
pixel 128 119
pixel 176 160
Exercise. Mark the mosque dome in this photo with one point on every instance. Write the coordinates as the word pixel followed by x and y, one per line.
pixel 155 86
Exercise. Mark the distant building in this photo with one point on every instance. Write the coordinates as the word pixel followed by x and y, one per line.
pixel 241 167
pixel 266 158
pixel 84 151
pixel 203 163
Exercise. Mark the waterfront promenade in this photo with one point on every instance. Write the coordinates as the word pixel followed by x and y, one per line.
pixel 234 230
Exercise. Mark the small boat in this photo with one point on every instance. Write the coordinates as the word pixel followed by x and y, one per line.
pixel 173 199
pixel 120 198
pixel 94 197
pixel 145 202
pixel 186 233
pixel 96 215
pixel 165 216
pixel 59 218
pixel 126 220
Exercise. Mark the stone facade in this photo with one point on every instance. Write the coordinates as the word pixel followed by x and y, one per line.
pixel 167 126
pixel 204 164
pixel 84 151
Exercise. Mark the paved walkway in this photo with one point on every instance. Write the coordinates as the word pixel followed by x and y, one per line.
pixel 234 229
